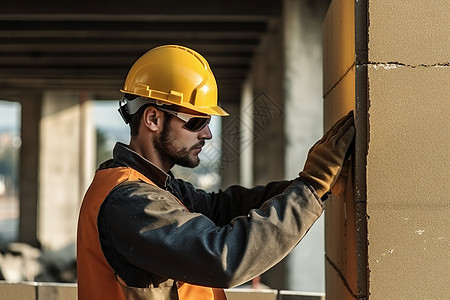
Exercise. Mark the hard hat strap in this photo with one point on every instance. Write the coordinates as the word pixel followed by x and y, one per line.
pixel 129 107
pixel 134 105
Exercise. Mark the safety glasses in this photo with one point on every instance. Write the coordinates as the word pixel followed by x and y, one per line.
pixel 193 122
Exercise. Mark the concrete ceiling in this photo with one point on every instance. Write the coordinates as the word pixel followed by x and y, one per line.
pixel 90 45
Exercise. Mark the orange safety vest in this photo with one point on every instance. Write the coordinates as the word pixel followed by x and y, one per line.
pixel 96 278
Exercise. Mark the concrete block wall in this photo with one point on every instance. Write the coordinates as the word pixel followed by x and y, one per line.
pixel 408 165
pixel 408 187
pixel 293 295
pixel 238 294
pixel 387 236
pixel 59 291
pixel 339 71
pixel 38 291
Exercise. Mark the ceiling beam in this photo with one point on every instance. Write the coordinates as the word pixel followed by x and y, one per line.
pixel 251 17
pixel 90 45
pixel 131 25
pixel 139 7
pixel 124 46
pixel 45 60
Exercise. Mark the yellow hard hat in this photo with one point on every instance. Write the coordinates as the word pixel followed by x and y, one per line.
pixel 175 75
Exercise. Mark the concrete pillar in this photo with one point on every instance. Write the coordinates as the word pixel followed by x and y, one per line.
pixel 28 167
pixel 267 109
pixel 387 237
pixel 303 118
pixel 64 142
pixel 267 112
pixel 230 138
pixel 283 97
pixel 88 143
pixel 246 149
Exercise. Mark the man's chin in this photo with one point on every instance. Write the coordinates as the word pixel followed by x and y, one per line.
pixel 189 162
pixel 194 163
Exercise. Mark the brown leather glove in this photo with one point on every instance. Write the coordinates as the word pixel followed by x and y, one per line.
pixel 338 188
pixel 326 157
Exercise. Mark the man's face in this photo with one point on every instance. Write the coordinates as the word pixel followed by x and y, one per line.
pixel 176 145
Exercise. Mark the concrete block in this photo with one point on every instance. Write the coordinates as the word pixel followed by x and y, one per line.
pixel 408 251
pixel 335 231
pixel 408 157
pixel 338 42
pixel 340 211
pixel 340 237
pixel 25 291
pixel 293 295
pixel 410 32
pixel 251 294
pixel 408 189
pixel 340 100
pixel 337 288
pixel 56 291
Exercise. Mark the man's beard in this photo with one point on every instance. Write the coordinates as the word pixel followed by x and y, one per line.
pixel 169 154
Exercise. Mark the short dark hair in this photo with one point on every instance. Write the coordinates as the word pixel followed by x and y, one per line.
pixel 136 118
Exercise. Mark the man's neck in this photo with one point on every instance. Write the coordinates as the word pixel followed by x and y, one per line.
pixel 147 151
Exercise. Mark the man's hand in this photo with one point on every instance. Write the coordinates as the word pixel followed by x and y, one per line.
pixel 338 188
pixel 326 157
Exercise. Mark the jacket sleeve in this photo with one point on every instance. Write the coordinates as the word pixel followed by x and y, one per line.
pixel 223 206
pixel 151 230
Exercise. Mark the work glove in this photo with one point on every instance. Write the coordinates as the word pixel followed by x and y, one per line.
pixel 338 187
pixel 326 157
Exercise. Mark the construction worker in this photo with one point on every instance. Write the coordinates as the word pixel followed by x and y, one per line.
pixel 143 234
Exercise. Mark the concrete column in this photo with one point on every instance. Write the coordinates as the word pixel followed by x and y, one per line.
pixel 246 151
pixel 303 118
pixel 283 98
pixel 267 112
pixel 267 109
pixel 28 167
pixel 62 173
pixel 88 143
pixel 230 135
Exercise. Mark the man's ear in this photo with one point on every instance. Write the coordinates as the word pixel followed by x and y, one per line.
pixel 152 119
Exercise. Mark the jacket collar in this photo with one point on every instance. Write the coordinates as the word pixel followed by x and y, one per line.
pixel 124 156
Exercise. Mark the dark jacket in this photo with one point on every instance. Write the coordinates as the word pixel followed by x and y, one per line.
pixel 151 233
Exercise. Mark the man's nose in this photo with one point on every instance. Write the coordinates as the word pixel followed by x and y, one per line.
pixel 205 133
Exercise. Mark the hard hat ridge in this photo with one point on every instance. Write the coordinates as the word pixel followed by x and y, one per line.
pixel 174 75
